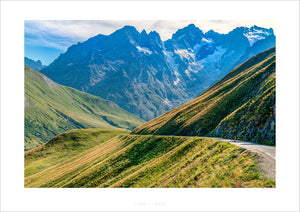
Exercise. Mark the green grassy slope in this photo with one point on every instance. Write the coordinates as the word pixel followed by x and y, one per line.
pixel 51 108
pixel 66 145
pixel 241 104
pixel 94 158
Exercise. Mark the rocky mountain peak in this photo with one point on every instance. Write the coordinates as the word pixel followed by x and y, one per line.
pixel 188 37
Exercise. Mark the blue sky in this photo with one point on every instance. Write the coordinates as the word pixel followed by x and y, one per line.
pixel 46 40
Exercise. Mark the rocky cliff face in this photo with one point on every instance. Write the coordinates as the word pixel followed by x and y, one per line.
pixel 147 76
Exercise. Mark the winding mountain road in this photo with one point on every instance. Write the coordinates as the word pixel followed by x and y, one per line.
pixel 269 150
pixel 266 155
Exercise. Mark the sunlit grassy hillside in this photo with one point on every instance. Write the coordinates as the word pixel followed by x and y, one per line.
pixel 242 104
pixel 112 158
pixel 51 109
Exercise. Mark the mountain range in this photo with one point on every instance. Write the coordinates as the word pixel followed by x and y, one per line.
pixel 51 109
pixel 210 84
pixel 34 64
pixel 241 105
pixel 147 76
pixel 164 152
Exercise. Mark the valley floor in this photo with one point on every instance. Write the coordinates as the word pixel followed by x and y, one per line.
pixel 105 158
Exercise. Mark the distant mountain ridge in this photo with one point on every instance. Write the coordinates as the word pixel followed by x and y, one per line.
pixel 35 65
pixel 241 104
pixel 147 76
pixel 51 109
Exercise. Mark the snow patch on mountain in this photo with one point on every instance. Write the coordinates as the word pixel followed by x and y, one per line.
pixel 203 42
pixel 171 60
pixel 176 73
pixel 176 81
pixel 253 38
pixel 183 53
pixel 255 35
pixel 167 102
pixel 187 73
pixel 195 66
pixel 207 40
pixel 144 50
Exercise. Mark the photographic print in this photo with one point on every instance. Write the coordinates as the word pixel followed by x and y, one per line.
pixel 149 104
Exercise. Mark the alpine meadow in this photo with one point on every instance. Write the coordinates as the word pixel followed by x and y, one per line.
pixel 129 110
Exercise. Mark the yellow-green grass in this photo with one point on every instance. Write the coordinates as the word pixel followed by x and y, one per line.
pixel 51 109
pixel 252 81
pixel 141 161
pixel 64 146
